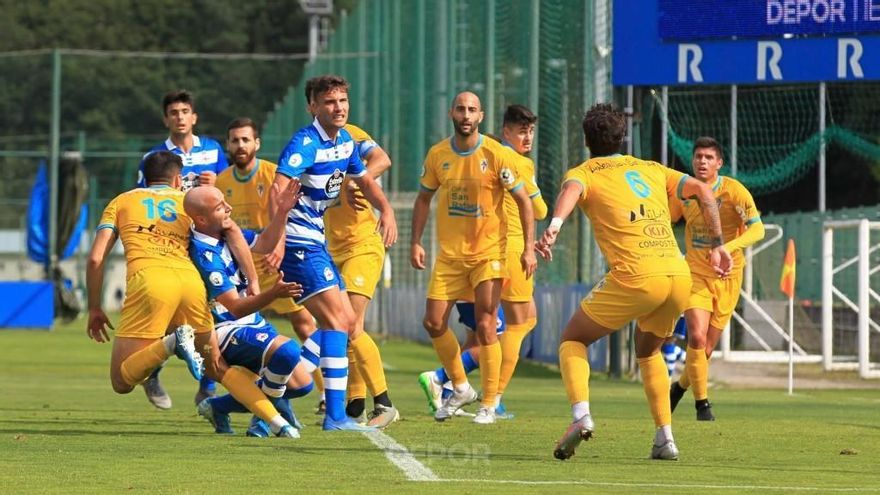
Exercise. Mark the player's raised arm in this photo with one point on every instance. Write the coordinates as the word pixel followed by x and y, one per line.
pixel 98 322
pixel 572 190
pixel 283 200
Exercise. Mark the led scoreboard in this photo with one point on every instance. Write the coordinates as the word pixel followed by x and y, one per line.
pixel 669 42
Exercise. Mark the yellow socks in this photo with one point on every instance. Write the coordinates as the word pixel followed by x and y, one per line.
pixel 696 367
pixel 449 353
pixel 655 379
pixel 357 387
pixel 137 367
pixel 575 370
pixel 366 353
pixel 245 391
pixel 318 378
pixel 490 371
pixel 684 381
pixel 511 343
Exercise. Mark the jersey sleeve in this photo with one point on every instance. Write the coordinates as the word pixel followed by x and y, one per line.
pixel 674 182
pixel 213 272
pixel 141 180
pixel 364 142
pixel 509 171
pixel 221 164
pixel 429 180
pixel 580 176
pixel 296 157
pixel 250 237
pixel 356 167
pixel 108 218
pixel 676 209
pixel 745 206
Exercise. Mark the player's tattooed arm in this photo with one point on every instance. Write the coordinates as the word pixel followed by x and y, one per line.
pixel 719 257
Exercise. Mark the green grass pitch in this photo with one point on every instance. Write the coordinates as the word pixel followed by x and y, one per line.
pixel 63 430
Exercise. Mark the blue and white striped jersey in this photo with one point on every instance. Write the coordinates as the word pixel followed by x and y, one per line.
pixel 220 273
pixel 321 165
pixel 205 155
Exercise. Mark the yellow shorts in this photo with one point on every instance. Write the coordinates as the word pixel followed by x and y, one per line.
pixel 361 267
pixel 655 302
pixel 268 278
pixel 517 288
pixel 717 296
pixel 453 280
pixel 158 298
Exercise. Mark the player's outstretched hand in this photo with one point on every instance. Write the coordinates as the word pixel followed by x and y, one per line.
pixel 286 289
pixel 287 197
pixel 97 326
pixel 529 262
pixel 721 261
pixel 355 198
pixel 417 256
pixel 387 227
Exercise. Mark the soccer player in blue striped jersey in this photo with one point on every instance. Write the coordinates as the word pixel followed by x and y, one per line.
pixel 320 156
pixel 244 337
pixel 203 158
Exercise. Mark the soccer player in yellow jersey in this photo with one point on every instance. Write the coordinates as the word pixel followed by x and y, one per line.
pixel 163 288
pixel 359 253
pixel 712 300
pixel 471 172
pixel 518 132
pixel 625 199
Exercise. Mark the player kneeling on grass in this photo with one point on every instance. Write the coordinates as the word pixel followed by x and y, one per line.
pixel 244 337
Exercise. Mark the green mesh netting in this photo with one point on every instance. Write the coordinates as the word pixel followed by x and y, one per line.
pixel 778 138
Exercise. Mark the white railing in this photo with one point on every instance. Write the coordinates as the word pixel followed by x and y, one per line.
pixel 862 306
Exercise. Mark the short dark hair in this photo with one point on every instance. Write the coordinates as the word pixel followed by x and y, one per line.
pixel 604 129
pixel 178 96
pixel 162 166
pixel 243 122
pixel 708 142
pixel 322 84
pixel 519 115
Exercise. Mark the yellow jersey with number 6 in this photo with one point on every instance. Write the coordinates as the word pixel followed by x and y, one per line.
pixel 625 199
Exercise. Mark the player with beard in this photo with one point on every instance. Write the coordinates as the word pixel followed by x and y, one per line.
pixel 472 173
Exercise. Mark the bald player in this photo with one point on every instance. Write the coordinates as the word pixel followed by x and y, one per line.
pixel 471 172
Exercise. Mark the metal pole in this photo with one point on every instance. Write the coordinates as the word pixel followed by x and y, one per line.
pixel 733 131
pixel 313 37
pixel 822 146
pixel 863 294
pixel 395 128
pixel 827 298
pixel 54 154
pixel 490 68
pixel 629 120
pixel 535 71
pixel 664 129
pixel 420 78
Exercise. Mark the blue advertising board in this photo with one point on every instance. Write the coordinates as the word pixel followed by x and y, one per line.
pixel 689 20
pixel 705 53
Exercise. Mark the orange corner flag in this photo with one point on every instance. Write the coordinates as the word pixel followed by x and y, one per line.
pixel 786 283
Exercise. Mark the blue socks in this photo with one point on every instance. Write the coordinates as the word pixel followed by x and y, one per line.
pixel 334 369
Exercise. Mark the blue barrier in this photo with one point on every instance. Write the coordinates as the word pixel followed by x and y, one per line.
pixel 27 305
pixel 401 310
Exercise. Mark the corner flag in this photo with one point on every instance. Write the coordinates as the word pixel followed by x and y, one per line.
pixel 786 283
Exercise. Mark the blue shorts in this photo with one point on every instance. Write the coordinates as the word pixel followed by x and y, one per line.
pixel 246 346
pixel 312 268
pixel 467 318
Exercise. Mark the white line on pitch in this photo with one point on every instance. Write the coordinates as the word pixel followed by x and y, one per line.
pixel 661 485
pixel 401 457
